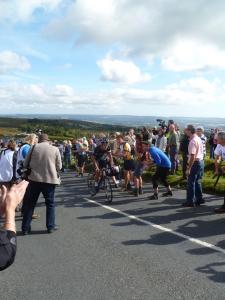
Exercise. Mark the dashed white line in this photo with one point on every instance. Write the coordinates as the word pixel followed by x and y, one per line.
pixel 159 227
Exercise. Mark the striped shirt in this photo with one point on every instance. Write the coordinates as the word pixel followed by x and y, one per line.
pixel 204 141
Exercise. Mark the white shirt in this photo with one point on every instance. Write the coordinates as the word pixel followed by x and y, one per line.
pixel 196 147
pixel 220 151
pixel 6 166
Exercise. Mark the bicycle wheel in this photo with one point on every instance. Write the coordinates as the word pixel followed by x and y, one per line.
pixel 108 190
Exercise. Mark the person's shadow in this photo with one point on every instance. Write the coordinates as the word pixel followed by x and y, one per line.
pixel 214 274
pixel 35 232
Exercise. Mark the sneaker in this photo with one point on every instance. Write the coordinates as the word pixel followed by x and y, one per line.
pixel 167 194
pixel 154 197
pixel 35 216
pixel 51 230
pixel 26 232
pixel 198 203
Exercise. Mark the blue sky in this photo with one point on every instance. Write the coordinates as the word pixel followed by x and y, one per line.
pixel 113 57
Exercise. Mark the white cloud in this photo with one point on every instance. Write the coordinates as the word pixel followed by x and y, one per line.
pixel 147 25
pixel 11 61
pixel 22 10
pixel 195 93
pixel 121 71
pixel 152 29
pixel 191 55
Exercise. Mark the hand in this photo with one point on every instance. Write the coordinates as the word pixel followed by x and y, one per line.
pixel 223 170
pixel 3 193
pixel 9 200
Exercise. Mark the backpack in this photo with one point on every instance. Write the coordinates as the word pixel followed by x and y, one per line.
pixel 14 166
pixel 9 171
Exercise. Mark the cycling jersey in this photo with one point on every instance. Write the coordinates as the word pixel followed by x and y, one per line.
pixel 102 156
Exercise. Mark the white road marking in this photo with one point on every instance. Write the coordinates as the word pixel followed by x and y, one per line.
pixel 159 227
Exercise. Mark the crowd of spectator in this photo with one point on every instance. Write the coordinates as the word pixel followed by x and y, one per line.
pixel 33 167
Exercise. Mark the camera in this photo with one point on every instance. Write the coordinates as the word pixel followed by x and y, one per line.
pixel 162 123
pixel 39 131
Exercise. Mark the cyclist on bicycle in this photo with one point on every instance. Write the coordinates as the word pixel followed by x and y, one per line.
pixel 102 158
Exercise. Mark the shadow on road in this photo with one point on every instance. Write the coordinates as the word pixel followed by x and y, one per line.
pixel 213 272
pixel 33 232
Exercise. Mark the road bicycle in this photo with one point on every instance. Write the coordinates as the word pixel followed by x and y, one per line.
pixel 104 185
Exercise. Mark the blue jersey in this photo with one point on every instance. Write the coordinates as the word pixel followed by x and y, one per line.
pixel 159 157
pixel 25 150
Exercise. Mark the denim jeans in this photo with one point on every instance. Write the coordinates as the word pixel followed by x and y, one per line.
pixel 194 185
pixel 212 148
pixel 33 192
pixel 184 164
pixel 67 161
pixel 174 158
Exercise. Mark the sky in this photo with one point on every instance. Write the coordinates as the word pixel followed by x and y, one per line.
pixel 145 57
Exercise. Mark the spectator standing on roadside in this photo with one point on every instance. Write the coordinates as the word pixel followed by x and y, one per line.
pixel 147 136
pixel 213 142
pixel 91 146
pixel 178 131
pixel 60 146
pixel 82 148
pixel 125 152
pixel 195 169
pixel 7 164
pixel 132 137
pixel 220 157
pixel 184 152
pixel 200 133
pixel 45 163
pixel 142 157
pixel 29 141
pixel 173 147
pixel 67 154
pixel 161 140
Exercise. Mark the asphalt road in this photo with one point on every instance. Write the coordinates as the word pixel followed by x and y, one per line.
pixel 100 254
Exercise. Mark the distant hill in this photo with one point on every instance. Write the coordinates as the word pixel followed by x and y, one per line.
pixel 134 121
pixel 57 128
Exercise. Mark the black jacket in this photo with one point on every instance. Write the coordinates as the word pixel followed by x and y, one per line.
pixel 184 144
pixel 7 248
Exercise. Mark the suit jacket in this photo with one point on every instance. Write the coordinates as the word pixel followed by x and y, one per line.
pixel 45 163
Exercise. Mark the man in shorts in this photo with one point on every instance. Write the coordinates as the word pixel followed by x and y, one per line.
pixel 142 158
pixel 163 165
pixel 125 152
